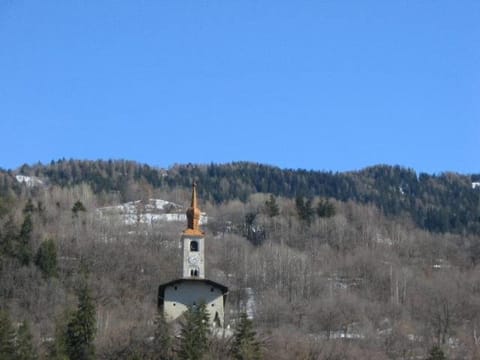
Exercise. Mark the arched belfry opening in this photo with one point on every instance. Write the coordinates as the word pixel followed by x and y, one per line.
pixel 194 245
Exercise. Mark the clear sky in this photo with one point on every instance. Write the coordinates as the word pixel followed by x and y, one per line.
pixel 324 85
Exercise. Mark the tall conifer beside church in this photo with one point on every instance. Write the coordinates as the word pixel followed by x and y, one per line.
pixel 193 289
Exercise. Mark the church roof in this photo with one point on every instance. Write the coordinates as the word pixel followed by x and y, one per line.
pixel 162 287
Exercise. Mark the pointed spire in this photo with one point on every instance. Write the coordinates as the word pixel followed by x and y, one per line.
pixel 193 215
pixel 193 204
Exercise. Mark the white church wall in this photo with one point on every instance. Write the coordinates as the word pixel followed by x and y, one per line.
pixel 179 296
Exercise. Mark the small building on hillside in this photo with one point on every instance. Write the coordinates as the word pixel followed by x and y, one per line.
pixel 193 289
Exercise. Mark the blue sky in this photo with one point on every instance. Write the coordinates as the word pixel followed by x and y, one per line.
pixel 324 85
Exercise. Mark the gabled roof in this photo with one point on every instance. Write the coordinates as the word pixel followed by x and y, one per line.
pixel 162 287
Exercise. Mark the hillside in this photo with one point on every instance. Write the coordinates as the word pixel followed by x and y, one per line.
pixel 382 263
pixel 447 202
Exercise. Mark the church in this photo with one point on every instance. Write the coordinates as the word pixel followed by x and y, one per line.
pixel 176 296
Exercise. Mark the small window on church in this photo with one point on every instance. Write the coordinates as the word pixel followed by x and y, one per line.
pixel 174 304
pixel 194 272
pixel 193 245
pixel 213 305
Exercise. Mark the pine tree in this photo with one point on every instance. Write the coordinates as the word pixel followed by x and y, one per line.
pixel 249 231
pixel 3 206
pixel 9 238
pixel 57 349
pixel 304 210
pixel 203 325
pixel 46 258
pixel 25 349
pixel 436 353
pixel 7 337
pixel 189 348
pixel 271 207
pixel 325 209
pixel 24 246
pixel 77 207
pixel 81 328
pixel 162 343
pixel 245 345
pixel 194 334
pixel 29 208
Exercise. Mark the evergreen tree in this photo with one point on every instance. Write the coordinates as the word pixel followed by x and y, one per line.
pixel 249 227
pixel 194 334
pixel 271 207
pixel 189 346
pixel 25 349
pixel 436 353
pixel 29 208
pixel 162 343
pixel 80 331
pixel 46 258
pixel 304 210
pixel 57 349
pixel 325 209
pixel 24 247
pixel 7 337
pixel 245 345
pixel 8 238
pixel 77 207
pixel 203 324
pixel 3 206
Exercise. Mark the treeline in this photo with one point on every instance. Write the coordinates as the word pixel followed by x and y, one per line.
pixel 438 203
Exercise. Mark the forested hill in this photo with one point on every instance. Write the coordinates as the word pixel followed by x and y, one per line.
pixel 442 203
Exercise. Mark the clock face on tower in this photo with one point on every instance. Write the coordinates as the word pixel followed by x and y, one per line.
pixel 193 259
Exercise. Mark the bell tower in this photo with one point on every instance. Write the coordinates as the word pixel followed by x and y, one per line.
pixel 177 296
pixel 193 241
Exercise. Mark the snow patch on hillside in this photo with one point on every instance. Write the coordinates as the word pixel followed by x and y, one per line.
pixel 30 181
pixel 148 212
pixel 475 185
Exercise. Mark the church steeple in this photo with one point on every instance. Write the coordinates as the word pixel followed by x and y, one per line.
pixel 193 241
pixel 193 215
pixel 175 297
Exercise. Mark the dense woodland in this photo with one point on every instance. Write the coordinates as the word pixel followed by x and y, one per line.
pixel 439 203
pixel 380 263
